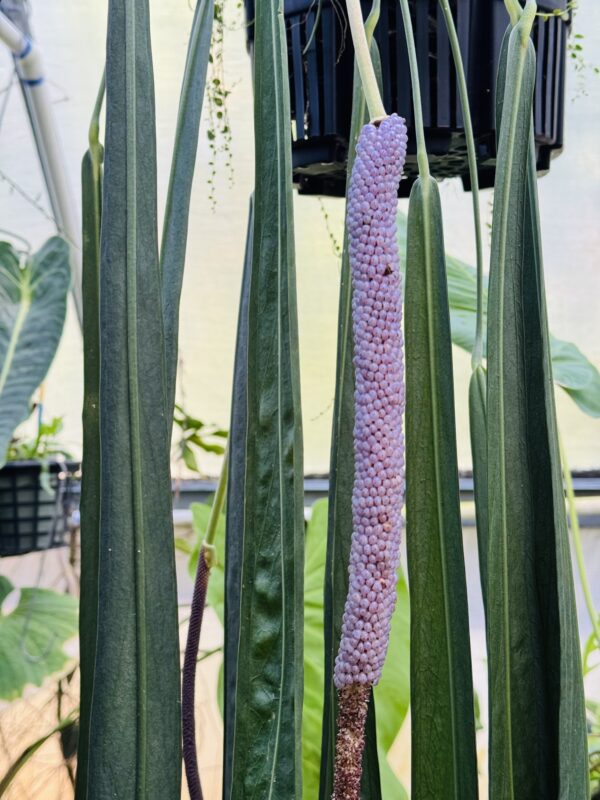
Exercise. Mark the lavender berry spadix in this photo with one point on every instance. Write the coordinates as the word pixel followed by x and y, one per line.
pixel 378 493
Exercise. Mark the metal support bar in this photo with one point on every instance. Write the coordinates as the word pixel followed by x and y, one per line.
pixel 39 108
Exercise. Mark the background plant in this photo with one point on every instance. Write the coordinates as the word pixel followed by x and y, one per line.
pixel 33 301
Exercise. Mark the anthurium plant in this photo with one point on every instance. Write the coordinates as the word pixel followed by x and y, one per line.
pixel 319 635
pixel 33 303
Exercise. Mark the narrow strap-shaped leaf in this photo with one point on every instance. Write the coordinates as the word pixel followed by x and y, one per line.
pixel 339 533
pixel 550 514
pixel 236 489
pixel 91 194
pixel 443 722
pixel 266 541
pixel 175 227
pixel 135 749
pixel 538 738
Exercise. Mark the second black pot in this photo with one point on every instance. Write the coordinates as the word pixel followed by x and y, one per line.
pixel 32 518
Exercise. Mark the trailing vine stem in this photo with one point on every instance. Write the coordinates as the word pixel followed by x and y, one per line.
pixel 422 160
pixel 477 355
pixel 576 536
pixel 218 133
pixel 363 60
pixel 206 560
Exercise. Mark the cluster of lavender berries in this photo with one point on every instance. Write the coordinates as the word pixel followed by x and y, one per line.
pixel 378 493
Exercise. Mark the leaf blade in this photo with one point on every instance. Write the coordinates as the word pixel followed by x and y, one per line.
pixel 441 682
pixel 535 670
pixel 175 226
pixel 32 315
pixel 32 637
pixel 91 185
pixel 267 547
pixel 134 748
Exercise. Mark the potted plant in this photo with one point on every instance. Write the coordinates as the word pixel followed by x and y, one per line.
pixel 33 476
pixel 321 57
pixel 36 497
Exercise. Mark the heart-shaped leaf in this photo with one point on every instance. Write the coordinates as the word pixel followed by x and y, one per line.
pixel 35 625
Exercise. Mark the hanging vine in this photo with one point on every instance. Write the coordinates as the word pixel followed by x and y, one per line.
pixel 217 93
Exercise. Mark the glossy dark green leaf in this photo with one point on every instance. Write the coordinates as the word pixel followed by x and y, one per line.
pixel 340 497
pixel 175 227
pixel 236 487
pixel 33 303
pixel 538 747
pixel 134 747
pixel 265 524
pixel 91 195
pixel 443 723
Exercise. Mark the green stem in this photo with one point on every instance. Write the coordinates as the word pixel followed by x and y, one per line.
pixel 94 129
pixel 514 10
pixel 477 356
pixel 372 20
pixel 215 512
pixel 363 60
pixel 422 159
pixel 576 535
pixel 527 19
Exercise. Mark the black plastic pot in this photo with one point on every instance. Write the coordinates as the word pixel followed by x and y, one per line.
pixel 32 519
pixel 321 85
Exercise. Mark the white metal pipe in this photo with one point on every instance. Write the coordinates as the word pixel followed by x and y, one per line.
pixel 39 107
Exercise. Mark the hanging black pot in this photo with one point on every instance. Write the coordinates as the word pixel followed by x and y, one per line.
pixel 321 67
pixel 33 516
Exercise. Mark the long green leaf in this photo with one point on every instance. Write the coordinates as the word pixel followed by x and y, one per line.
pixel 538 744
pixel 175 227
pixel 572 729
pixel 443 722
pixel 236 489
pixel 340 491
pixel 91 192
pixel 33 303
pixel 572 371
pixel 265 532
pixel 134 747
